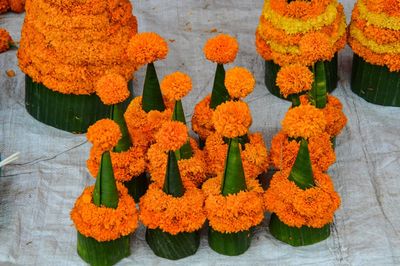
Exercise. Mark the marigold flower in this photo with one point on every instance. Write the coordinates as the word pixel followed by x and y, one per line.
pixel 17 6
pixel 4 6
pixel 294 79
pixel 104 134
pixel 112 89
pixel 300 9
pixel 172 135
pixel 262 48
pixel 304 121
pixel 317 46
pixel 221 49
pixel 147 47
pixel 5 40
pixel 176 85
pixel 202 118
pixel 232 119
pixel 239 82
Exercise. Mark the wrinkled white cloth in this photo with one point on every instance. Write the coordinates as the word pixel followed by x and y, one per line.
pixel 38 191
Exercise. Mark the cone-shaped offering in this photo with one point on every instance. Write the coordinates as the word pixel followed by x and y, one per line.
pixel 173 215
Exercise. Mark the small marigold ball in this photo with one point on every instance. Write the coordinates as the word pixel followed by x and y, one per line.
pixel 239 82
pixel 221 49
pixel 112 89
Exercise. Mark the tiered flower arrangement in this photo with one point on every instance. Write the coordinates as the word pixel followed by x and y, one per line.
pixel 233 202
pixel 65 48
pixel 105 215
pixel 374 36
pixel 6 42
pixel 301 32
pixel 173 213
pixel 17 6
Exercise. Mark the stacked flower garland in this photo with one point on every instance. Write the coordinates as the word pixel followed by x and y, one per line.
pixel 374 36
pixel 301 32
pixel 65 48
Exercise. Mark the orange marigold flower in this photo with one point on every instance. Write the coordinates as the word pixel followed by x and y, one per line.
pixel 304 121
pixel 262 48
pixel 112 89
pixel 239 82
pixel 172 135
pixel 202 118
pixel 104 134
pixel 147 47
pixel 17 6
pixel 317 47
pixel 5 40
pixel 300 9
pixel 105 224
pixel 294 79
pixel 176 85
pixel 4 6
pixel 221 49
pixel 232 119
pixel 170 214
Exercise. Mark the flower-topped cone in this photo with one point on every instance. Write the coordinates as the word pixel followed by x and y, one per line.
pixel 233 204
pixel 302 173
pixel 173 215
pixel 144 49
pixel 104 215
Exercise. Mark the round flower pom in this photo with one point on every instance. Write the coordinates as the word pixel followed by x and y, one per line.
pixel 5 40
pixel 112 89
pixel 304 121
pixel 147 47
pixel 104 134
pixel 294 79
pixel 17 6
pixel 172 136
pixel 232 119
pixel 316 47
pixel 4 6
pixel 221 49
pixel 239 82
pixel 176 85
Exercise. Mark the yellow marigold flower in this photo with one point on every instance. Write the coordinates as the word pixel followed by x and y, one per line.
pixel 172 135
pixel 317 47
pixel 104 134
pixel 221 49
pixel 5 40
pixel 239 82
pixel 176 85
pixel 112 89
pixel 147 47
pixel 304 121
pixel 293 79
pixel 232 119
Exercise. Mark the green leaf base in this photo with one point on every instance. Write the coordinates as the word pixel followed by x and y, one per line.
pixel 172 247
pixel 272 69
pixel 103 253
pixel 229 244
pixel 137 186
pixel 68 112
pixel 297 236
pixel 375 84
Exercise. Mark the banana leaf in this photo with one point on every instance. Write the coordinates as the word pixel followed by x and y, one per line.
pixel 219 92
pixel 152 98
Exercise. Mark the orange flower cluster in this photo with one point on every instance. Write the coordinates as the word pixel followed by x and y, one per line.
pixel 17 6
pixel 254 155
pixel 284 152
pixel 239 82
pixel 5 40
pixel 304 121
pixel 236 212
pixel 192 170
pixel 143 126
pixel 390 7
pixel 105 224
pixel 291 31
pixel 294 79
pixel 221 49
pixel 4 6
pixel 176 86
pixel 202 122
pixel 112 89
pixel 172 136
pixel 170 214
pixel 104 134
pixel 232 119
pixel 147 47
pixel 313 207
pixel 68 45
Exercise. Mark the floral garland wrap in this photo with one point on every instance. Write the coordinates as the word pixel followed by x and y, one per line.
pixel 105 224
pixel 5 40
pixel 236 212
pixel 202 118
pixel 254 155
pixel 313 207
pixel 69 45
pixel 374 32
pixel 170 214
pixel 302 32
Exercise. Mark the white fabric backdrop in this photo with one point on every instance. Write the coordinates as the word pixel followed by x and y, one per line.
pixel 38 191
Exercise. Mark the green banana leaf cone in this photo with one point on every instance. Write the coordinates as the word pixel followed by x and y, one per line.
pixel 219 92
pixel 152 97
pixel 185 152
pixel 375 84
pixel 302 176
pixel 137 186
pixel 229 244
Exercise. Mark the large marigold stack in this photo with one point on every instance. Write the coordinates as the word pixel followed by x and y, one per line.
pixel 65 48
pixel 300 32
pixel 374 35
